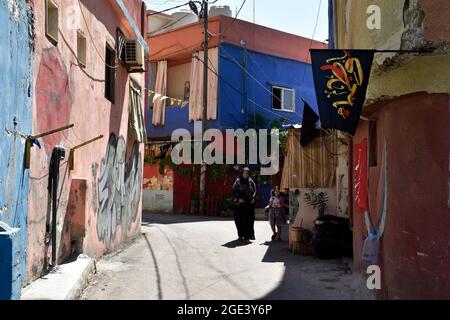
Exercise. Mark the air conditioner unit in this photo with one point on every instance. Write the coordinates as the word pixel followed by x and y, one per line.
pixel 134 55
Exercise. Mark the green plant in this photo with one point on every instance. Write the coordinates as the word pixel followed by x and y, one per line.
pixel 275 124
pixel 166 161
pixel 150 159
pixel 283 139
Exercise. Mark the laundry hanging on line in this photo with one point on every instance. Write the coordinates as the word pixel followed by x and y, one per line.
pixel 173 101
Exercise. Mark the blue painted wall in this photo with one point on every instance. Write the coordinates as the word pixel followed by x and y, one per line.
pixel 240 97
pixel 268 71
pixel 15 122
pixel 176 118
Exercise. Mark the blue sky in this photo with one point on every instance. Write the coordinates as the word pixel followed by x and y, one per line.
pixel 293 16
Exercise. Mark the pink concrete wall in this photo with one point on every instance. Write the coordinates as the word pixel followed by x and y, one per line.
pixel 436 26
pixel 112 166
pixel 137 12
pixel 415 251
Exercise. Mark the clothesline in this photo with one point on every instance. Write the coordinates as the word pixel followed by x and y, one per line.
pixel 173 101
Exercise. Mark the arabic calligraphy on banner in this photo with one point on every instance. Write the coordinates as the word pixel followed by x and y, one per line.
pixel 341 79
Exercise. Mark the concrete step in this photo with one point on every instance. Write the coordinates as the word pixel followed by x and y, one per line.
pixel 64 282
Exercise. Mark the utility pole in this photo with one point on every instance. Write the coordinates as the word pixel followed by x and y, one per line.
pixel 205 107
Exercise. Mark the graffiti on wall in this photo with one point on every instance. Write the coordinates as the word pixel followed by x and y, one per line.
pixel 317 200
pixel 53 99
pixel 119 190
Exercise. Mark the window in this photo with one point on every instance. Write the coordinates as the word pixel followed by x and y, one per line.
pixel 110 73
pixel 51 20
pixel 81 48
pixel 283 99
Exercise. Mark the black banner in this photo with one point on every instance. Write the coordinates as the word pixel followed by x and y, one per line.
pixel 308 125
pixel 341 78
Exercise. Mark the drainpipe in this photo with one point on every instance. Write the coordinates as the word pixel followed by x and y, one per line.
pixel 205 106
pixel 147 86
pixel 144 26
pixel 244 81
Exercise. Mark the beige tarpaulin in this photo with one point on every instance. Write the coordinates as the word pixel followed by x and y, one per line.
pixel 196 91
pixel 159 101
pixel 313 166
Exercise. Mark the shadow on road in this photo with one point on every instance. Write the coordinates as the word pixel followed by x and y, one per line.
pixel 155 262
pixel 171 218
pixel 235 243
pixel 306 277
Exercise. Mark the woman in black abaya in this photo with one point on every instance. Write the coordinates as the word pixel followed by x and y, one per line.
pixel 244 192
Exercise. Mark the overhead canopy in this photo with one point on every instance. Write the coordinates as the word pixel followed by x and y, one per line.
pixel 313 166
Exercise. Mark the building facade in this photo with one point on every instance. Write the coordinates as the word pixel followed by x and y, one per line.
pixel 16 47
pixel 257 78
pixel 405 126
pixel 72 85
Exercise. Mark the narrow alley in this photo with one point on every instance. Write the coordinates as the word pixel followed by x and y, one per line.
pixel 193 257
pixel 224 150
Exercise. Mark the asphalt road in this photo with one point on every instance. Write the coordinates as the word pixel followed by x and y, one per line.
pixel 189 257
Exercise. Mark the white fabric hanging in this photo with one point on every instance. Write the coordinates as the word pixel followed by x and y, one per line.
pixel 136 122
pixel 159 105
pixel 196 89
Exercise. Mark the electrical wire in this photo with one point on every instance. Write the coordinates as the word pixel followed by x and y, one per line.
pixel 170 24
pixel 237 90
pixel 196 46
pixel 165 10
pixel 92 39
pixel 228 98
pixel 232 22
pixel 254 37
pixel 311 41
pixel 256 80
pixel 333 134
pixel 76 135
pixel 248 73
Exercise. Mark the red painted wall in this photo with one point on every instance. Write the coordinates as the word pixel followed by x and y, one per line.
pixel 187 187
pixel 415 250
pixel 184 187
pixel 152 171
